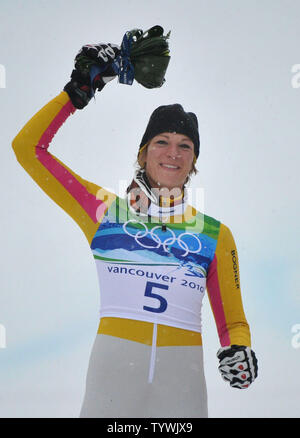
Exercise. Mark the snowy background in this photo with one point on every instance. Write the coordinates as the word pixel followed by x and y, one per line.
pixel 234 64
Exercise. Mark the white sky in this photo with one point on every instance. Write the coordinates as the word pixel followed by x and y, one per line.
pixel 231 64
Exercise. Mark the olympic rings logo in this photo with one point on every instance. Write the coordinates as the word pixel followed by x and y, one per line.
pixel 167 242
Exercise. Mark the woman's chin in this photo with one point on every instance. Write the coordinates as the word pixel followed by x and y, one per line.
pixel 161 180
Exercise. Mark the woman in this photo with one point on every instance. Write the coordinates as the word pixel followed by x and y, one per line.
pixel 155 257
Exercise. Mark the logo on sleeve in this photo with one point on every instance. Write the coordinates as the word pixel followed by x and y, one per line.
pixel 235 269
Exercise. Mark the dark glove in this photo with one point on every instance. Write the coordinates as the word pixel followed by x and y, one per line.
pixel 238 365
pixel 93 70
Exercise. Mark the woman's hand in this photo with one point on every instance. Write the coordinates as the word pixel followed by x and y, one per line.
pixel 93 70
pixel 238 365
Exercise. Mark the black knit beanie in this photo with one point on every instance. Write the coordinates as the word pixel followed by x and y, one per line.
pixel 172 118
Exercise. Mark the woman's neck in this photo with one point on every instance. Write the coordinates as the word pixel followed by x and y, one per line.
pixel 166 196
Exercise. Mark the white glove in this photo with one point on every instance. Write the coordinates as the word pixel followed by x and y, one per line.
pixel 238 365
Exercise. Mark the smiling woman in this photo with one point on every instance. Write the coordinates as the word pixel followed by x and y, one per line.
pixel 168 160
pixel 155 256
pixel 170 146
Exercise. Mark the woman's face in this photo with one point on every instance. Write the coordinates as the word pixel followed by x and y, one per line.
pixel 169 160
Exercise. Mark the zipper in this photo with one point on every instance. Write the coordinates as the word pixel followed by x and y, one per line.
pixel 153 354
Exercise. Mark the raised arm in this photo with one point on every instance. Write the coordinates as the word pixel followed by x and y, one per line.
pixel 81 199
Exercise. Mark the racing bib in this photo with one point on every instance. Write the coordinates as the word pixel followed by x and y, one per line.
pixel 153 293
pixel 152 274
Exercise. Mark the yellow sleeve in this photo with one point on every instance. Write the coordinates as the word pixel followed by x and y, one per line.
pixel 224 291
pixel 84 201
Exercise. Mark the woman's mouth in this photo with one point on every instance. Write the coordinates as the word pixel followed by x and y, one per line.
pixel 169 166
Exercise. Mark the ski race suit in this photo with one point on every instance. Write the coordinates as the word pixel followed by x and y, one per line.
pixel 147 358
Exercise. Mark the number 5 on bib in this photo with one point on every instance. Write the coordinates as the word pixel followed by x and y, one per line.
pixel 162 301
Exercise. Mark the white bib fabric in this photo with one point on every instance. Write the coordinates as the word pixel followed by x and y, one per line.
pixel 157 293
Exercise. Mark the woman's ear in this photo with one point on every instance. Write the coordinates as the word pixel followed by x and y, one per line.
pixel 142 158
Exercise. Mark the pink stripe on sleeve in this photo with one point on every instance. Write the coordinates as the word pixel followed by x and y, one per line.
pixel 213 288
pixel 77 190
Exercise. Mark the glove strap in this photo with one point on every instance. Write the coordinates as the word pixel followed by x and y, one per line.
pixel 95 70
pixel 122 64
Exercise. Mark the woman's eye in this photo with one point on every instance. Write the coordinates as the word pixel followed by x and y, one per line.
pixel 161 142
pixel 185 146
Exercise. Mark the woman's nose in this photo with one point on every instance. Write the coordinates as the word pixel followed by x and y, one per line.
pixel 173 151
